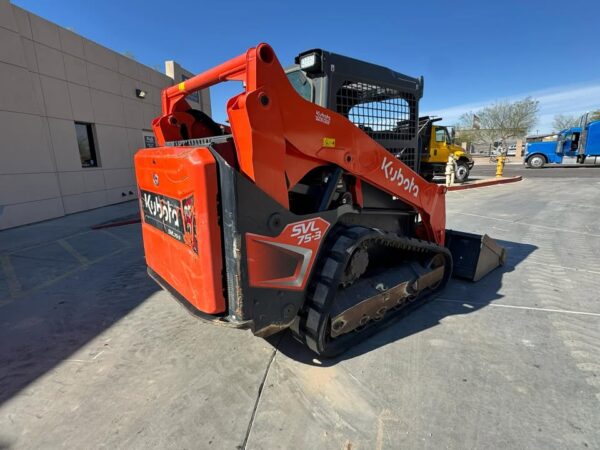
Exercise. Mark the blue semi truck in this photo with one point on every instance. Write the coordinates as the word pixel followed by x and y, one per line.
pixel 576 145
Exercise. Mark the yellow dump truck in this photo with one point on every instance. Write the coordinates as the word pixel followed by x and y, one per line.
pixel 436 146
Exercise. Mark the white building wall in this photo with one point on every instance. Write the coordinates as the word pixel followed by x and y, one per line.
pixel 179 74
pixel 51 77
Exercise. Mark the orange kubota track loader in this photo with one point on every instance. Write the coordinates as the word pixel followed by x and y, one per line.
pixel 296 215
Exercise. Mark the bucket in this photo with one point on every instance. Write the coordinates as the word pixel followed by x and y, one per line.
pixel 473 255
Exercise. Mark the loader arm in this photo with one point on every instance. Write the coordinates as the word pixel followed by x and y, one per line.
pixel 279 137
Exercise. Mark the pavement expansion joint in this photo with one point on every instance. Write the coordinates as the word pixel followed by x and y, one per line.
pixel 529 308
pixel 259 395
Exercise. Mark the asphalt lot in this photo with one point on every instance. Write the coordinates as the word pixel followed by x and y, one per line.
pixel 94 355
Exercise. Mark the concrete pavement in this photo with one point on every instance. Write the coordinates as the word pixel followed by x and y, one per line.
pixel 94 355
pixel 518 169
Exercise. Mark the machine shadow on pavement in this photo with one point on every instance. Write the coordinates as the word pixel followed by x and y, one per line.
pixel 41 330
pixel 459 297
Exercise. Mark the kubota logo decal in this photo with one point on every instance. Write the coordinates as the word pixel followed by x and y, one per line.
pixel 395 175
pixel 162 212
pixel 306 231
pixel 322 117
pixel 161 208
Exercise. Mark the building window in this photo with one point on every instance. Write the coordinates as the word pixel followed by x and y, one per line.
pixel 86 144
pixel 195 97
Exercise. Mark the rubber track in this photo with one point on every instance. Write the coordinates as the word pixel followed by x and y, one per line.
pixel 311 326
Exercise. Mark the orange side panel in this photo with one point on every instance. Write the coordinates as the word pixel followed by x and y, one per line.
pixel 182 238
pixel 285 261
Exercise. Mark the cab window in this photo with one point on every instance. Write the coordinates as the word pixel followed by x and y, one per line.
pixel 440 135
pixel 575 141
pixel 300 84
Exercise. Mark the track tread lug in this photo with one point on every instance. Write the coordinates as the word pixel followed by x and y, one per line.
pixel 308 328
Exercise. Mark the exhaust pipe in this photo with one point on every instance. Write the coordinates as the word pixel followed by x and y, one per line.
pixel 473 255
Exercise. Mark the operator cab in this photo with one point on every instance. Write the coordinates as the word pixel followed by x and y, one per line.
pixel 568 142
pixel 425 133
pixel 381 102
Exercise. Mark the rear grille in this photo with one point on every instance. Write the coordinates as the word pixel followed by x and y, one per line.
pixel 387 115
pixel 407 155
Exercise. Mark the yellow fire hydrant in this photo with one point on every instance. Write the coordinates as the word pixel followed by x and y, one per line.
pixel 500 166
pixel 450 170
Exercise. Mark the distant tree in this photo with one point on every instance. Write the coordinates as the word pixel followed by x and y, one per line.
pixel 499 122
pixel 594 115
pixel 562 121
pixel 468 136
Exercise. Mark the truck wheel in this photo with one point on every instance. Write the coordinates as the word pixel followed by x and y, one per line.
pixel 462 172
pixel 536 162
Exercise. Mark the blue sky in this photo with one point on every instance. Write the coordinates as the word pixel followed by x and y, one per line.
pixel 470 53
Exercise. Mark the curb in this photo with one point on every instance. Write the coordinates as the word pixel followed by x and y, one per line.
pixel 460 187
